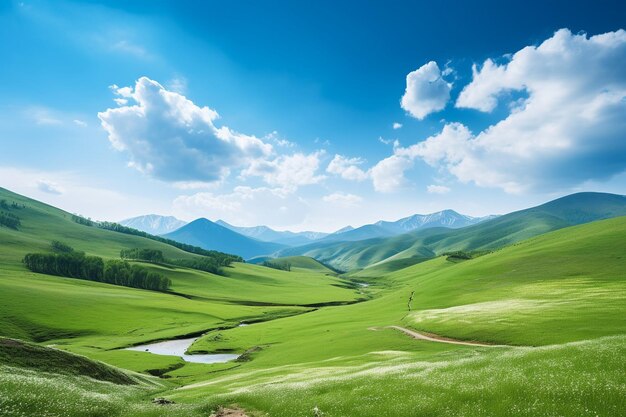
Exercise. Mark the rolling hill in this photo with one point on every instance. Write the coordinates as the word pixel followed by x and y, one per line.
pixel 209 235
pixel 303 262
pixel 491 234
pixel 552 305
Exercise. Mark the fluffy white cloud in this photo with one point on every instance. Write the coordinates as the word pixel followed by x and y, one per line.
pixel 169 137
pixel 569 129
pixel 343 199
pixel 388 174
pixel 426 91
pixel 287 171
pixel 245 206
pixel 396 125
pixel 347 168
pixel 437 189
pixel 49 187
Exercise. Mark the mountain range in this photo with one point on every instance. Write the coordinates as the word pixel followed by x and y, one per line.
pixel 405 249
pixel 402 242
pixel 267 234
pixel 446 218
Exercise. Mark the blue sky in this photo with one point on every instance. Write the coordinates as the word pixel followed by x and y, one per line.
pixel 283 114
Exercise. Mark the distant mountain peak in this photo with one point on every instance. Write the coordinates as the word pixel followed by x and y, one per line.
pixel 154 223
pixel 267 234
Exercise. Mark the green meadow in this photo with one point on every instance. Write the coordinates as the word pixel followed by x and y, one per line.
pixel 551 311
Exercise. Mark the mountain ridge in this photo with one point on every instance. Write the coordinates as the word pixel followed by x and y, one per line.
pixel 209 235
pixel 422 244
pixel 153 223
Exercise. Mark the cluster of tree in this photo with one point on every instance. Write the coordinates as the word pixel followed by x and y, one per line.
pixel 283 266
pixel 222 259
pixel 93 268
pixel 149 255
pixel 203 264
pixel 123 273
pixel 9 220
pixel 61 247
pixel 5 205
pixel 82 220
pixel 460 255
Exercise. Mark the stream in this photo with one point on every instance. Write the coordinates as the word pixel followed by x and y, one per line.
pixel 178 347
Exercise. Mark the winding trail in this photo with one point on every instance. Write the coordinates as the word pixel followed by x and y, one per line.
pixel 436 338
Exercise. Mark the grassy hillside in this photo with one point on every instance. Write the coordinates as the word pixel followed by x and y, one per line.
pixel 553 306
pixel 94 318
pixel 41 223
pixel 496 233
pixel 303 262
pixel 564 290
pixel 38 381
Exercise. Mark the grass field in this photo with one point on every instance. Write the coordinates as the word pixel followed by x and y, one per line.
pixel 555 305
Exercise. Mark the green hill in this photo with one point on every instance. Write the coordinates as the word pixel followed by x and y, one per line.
pixel 91 317
pixel 303 262
pixel 492 234
pixel 562 292
pixel 555 303
pixel 17 353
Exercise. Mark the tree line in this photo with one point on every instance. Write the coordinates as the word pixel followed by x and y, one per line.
pixel 73 264
pixel 205 263
pixel 149 255
pixel 9 220
pixel 283 266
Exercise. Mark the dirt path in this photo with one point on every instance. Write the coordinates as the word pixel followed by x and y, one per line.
pixel 230 412
pixel 435 338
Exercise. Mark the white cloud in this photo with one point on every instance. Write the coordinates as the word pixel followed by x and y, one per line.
pixel 244 206
pixel 49 187
pixel 396 125
pixel 437 189
pixel 274 137
pixel 130 48
pixel 79 123
pixel 388 174
pixel 347 168
pixel 170 138
pixel 287 171
pixel 426 91
pixel 569 129
pixel 343 199
pixel 44 116
pixel 388 141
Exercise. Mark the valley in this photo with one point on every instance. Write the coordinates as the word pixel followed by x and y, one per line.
pixel 443 336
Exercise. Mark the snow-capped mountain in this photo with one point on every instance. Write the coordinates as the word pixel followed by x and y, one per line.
pixel 267 234
pixel 445 218
pixel 154 224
